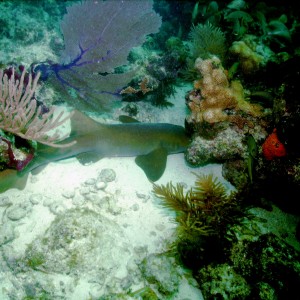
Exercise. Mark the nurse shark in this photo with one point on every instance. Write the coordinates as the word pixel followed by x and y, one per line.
pixel 151 143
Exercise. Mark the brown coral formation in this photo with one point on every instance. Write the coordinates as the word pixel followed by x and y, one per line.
pixel 215 99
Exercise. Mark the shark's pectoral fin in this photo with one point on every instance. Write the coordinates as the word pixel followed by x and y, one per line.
pixel 153 163
pixel 87 158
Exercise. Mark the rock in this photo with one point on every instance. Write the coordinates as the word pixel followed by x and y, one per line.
pixel 81 241
pixel 107 175
pixel 69 194
pixel 160 269
pixel 222 282
pixel 35 198
pixel 5 201
pixel 7 233
pixel 16 213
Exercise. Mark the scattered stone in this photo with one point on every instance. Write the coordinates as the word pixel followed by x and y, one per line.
pixel 78 201
pixel 141 250
pixel 35 198
pixel 16 213
pixel 5 201
pixel 7 233
pixel 98 198
pixel 113 208
pixel 69 194
pixel 107 175
pixel 100 185
pixel 93 189
pixel 57 208
pixel 90 181
pixel 47 201
pixel 144 197
pixel 84 191
pixel 135 207
pixel 34 179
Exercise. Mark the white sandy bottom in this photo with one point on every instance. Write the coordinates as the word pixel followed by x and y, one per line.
pixel 111 253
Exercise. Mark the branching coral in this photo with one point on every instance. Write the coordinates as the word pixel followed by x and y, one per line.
pixel 216 99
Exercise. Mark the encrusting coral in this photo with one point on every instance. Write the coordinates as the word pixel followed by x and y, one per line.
pixel 216 99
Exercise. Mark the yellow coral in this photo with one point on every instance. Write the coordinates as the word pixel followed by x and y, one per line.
pixel 250 60
pixel 254 110
pixel 218 95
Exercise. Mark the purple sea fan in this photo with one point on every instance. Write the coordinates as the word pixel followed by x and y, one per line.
pixel 98 37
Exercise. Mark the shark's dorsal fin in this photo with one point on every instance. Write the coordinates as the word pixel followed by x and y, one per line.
pixel 153 163
pixel 81 124
pixel 128 119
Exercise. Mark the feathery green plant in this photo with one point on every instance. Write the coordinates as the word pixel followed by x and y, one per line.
pixel 206 40
pixel 203 214
pixel 205 209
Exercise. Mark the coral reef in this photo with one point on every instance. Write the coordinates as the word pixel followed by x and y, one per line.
pixel 268 260
pixel 263 45
pixel 203 215
pixel 249 60
pixel 205 40
pixel 21 115
pixel 222 282
pixel 272 147
pixel 97 49
pixel 215 99
pixel 33 35
pixel 220 116
pixel 161 68
pixel 228 144
pixel 257 265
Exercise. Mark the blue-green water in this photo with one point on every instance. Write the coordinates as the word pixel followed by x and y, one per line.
pixel 221 219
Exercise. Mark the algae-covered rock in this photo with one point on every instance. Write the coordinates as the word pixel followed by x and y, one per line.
pixel 79 241
pixel 269 260
pixel 228 144
pixel 222 282
pixel 145 293
pixel 161 270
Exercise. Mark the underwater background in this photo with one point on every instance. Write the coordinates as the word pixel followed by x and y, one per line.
pixel 216 217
